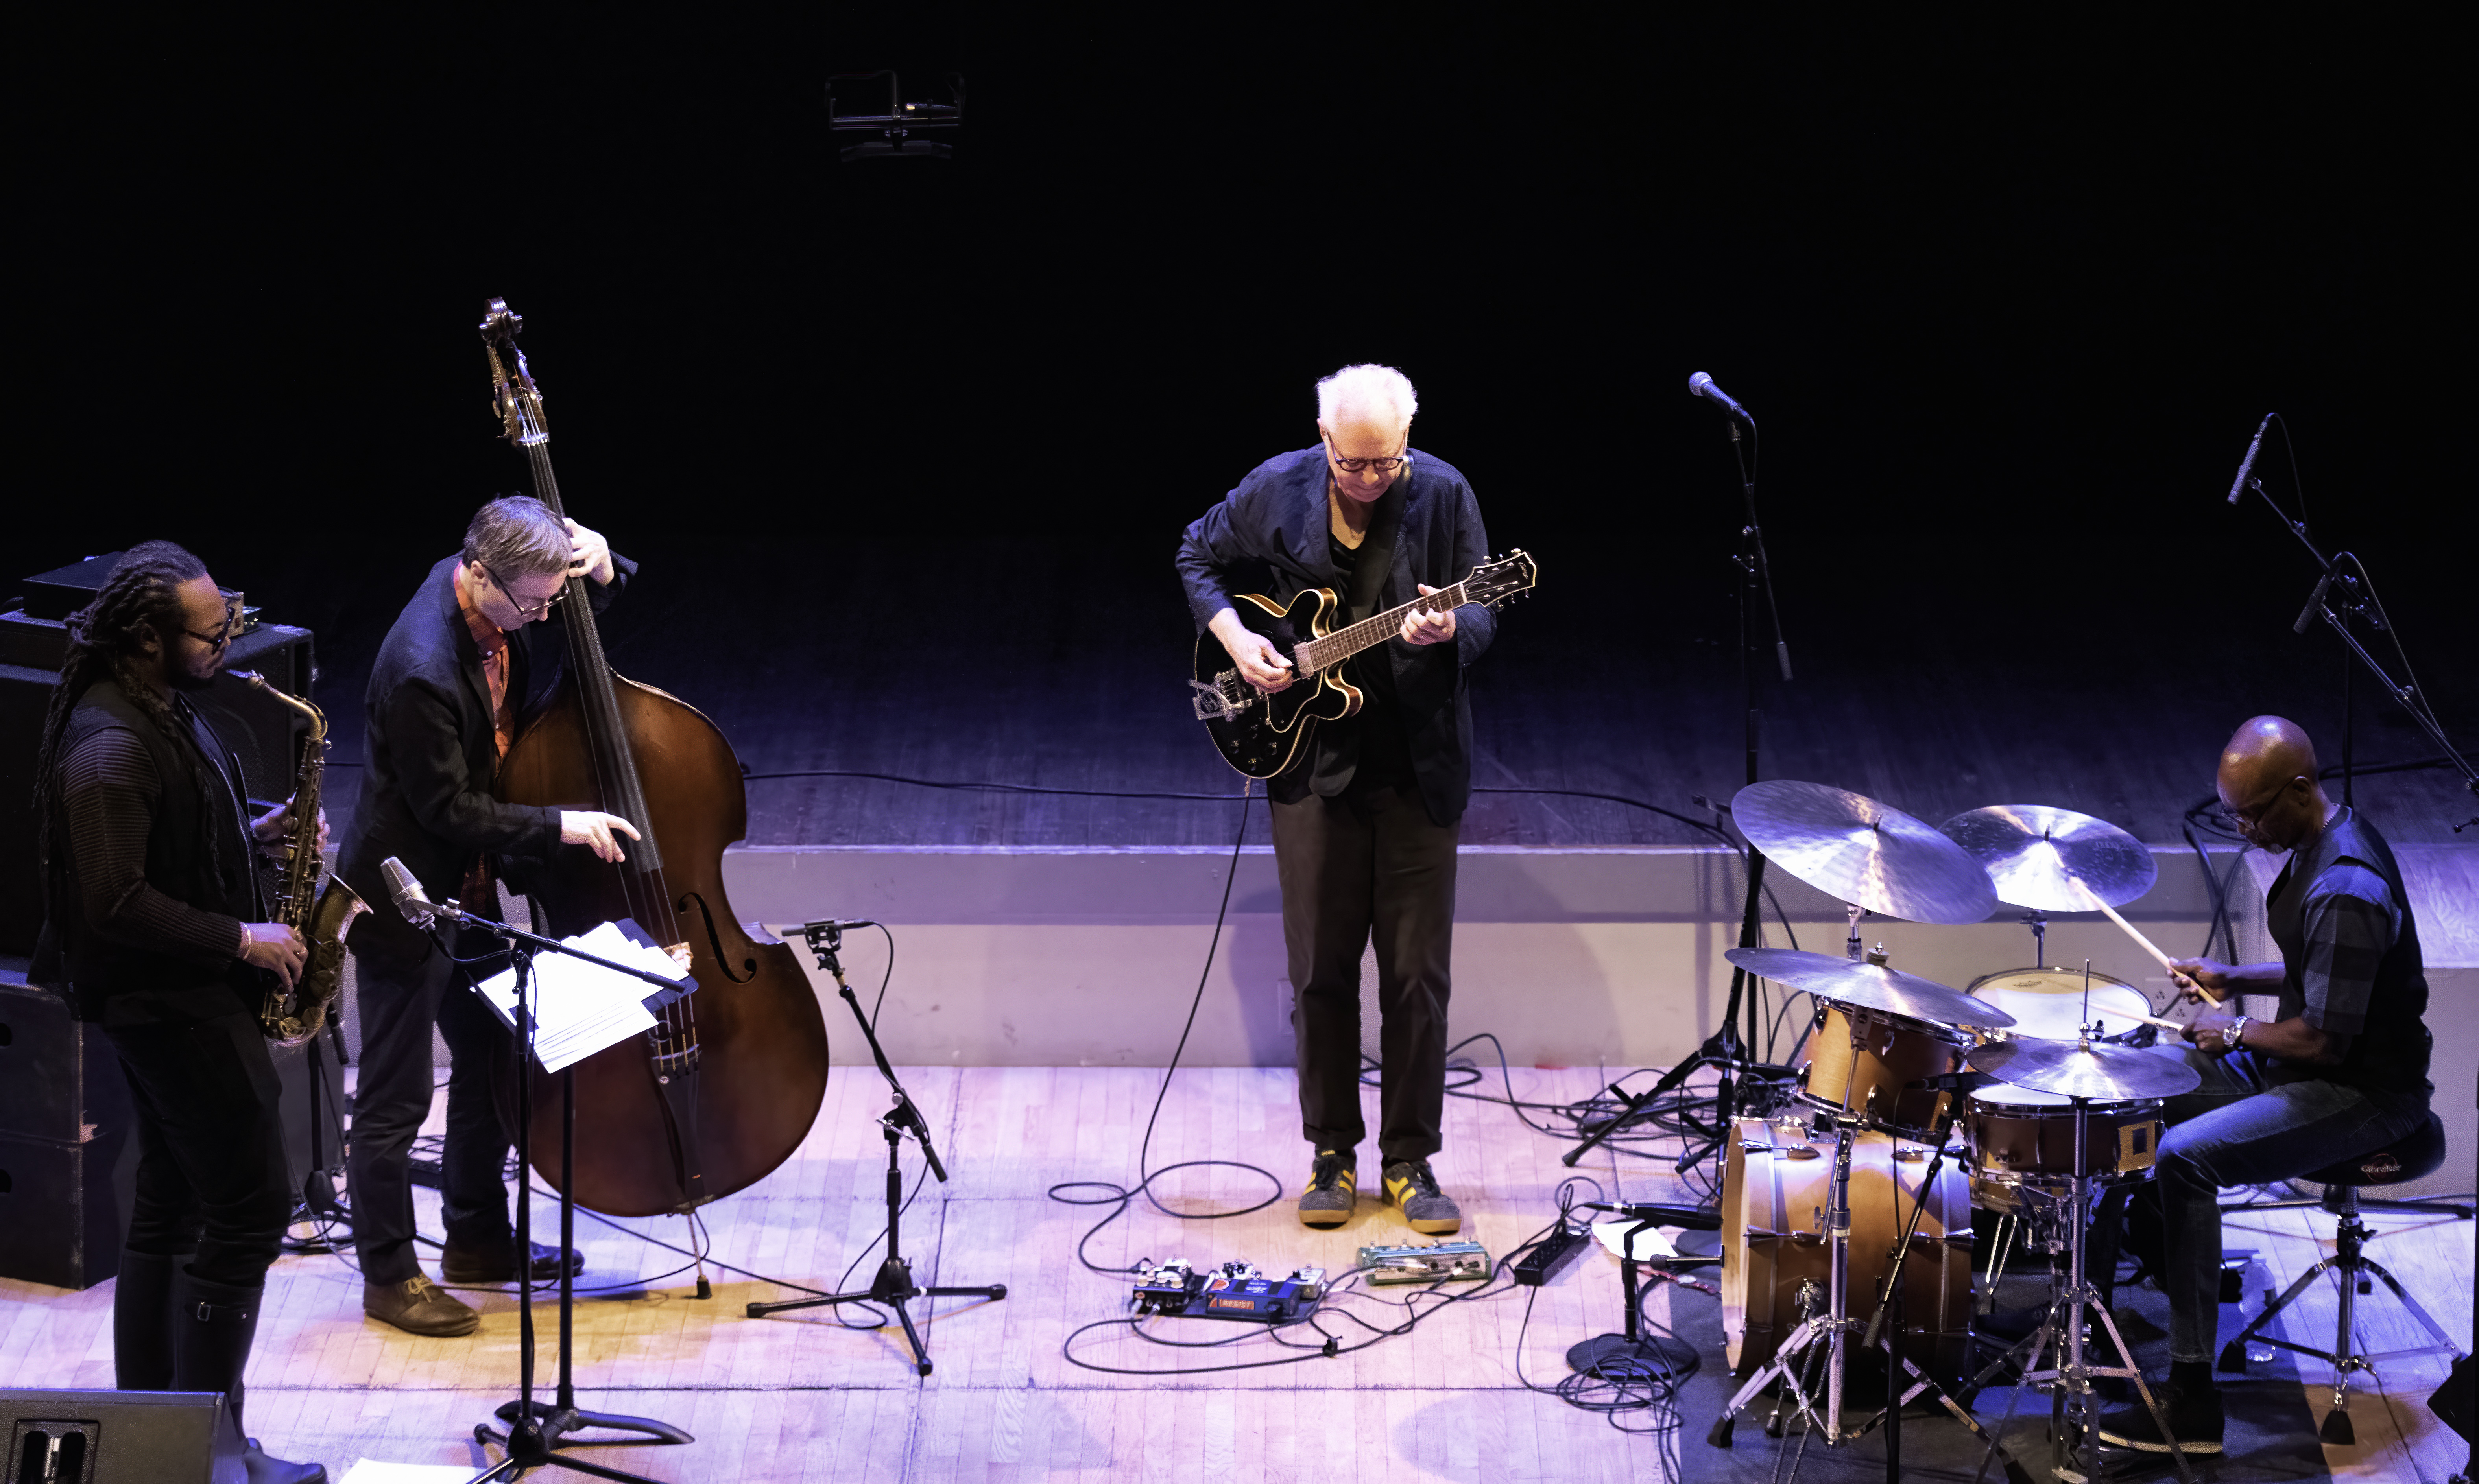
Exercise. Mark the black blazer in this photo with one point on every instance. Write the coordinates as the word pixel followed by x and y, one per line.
pixel 1268 536
pixel 429 757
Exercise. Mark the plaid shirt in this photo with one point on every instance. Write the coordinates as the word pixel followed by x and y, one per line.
pixel 478 893
pixel 2351 922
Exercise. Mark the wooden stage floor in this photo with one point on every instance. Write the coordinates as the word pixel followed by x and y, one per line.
pixel 801 1398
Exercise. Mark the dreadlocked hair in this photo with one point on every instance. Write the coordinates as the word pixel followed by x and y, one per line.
pixel 108 642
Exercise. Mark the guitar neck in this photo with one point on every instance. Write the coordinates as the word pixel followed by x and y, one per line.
pixel 1343 643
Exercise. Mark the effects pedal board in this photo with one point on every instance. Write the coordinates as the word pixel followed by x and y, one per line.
pixel 1443 1262
pixel 1234 1291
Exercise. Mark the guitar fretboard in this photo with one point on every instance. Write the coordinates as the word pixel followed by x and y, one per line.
pixel 1343 643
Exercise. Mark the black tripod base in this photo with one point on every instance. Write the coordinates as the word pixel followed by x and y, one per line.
pixel 893 1289
pixel 531 1447
pixel 1617 1358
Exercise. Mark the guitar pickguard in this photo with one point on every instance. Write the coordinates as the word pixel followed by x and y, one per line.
pixel 1263 735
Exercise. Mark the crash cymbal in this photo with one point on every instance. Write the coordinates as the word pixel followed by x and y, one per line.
pixel 2101 1072
pixel 1872 985
pixel 2048 858
pixel 1867 854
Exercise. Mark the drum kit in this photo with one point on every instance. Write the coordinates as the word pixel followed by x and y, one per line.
pixel 1917 1102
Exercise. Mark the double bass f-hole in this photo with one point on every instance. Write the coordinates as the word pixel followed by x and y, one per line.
pixel 714 941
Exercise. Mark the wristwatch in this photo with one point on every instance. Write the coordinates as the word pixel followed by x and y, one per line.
pixel 2234 1036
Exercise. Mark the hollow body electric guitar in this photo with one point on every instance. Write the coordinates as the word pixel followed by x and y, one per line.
pixel 1262 734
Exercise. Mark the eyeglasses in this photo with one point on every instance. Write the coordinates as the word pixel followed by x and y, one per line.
pixel 2248 818
pixel 525 610
pixel 221 636
pixel 1357 466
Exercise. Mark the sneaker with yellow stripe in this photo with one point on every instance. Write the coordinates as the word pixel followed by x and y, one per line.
pixel 1334 1188
pixel 1411 1185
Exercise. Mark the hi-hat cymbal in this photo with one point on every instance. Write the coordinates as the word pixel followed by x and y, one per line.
pixel 2049 859
pixel 1870 985
pixel 1865 853
pixel 2101 1072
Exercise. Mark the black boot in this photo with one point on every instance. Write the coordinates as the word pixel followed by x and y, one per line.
pixel 210 1339
pixel 2192 1404
pixel 142 1321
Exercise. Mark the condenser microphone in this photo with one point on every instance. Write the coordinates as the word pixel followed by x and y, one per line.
pixel 2246 465
pixel 411 900
pixel 1701 385
pixel 836 924
pixel 1694 1218
pixel 2315 602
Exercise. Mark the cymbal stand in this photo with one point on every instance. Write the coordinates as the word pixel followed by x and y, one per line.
pixel 2074 1419
pixel 2038 922
pixel 1822 1336
pixel 1887 1327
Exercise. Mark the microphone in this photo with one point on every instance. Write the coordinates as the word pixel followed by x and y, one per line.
pixel 1701 385
pixel 836 924
pixel 2246 467
pixel 1693 1218
pixel 411 900
pixel 2314 600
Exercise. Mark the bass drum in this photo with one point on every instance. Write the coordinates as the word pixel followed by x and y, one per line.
pixel 1772 1242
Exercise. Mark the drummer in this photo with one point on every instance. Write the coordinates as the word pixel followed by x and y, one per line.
pixel 2342 1072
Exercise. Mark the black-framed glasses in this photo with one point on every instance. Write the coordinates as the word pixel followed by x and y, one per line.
pixel 525 610
pixel 1385 466
pixel 221 636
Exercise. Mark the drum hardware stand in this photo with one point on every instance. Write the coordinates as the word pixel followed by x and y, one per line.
pixel 893 1286
pixel 2078 1461
pixel 2038 922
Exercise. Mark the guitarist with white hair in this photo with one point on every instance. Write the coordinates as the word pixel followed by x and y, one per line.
pixel 1367 817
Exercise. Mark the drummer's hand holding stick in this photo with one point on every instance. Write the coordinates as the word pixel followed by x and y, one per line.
pixel 2209 981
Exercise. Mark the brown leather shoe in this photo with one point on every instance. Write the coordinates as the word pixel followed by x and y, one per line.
pixel 418 1306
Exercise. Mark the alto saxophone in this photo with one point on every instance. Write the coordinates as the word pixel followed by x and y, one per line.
pixel 291 1016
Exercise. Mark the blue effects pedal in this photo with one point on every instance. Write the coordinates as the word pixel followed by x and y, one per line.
pixel 1234 1291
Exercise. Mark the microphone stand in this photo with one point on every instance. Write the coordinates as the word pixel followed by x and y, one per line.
pixel 2339 615
pixel 1726 1049
pixel 535 1427
pixel 893 1286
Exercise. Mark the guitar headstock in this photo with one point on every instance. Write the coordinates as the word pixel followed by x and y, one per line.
pixel 1496 582
pixel 514 399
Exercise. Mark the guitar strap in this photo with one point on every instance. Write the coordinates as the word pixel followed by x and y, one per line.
pixel 1376 556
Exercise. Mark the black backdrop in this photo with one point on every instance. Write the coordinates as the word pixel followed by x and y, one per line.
pixel 2008 297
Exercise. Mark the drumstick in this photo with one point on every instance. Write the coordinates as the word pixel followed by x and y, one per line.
pixel 2175 972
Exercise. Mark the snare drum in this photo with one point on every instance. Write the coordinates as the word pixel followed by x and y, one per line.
pixel 1865 1061
pixel 2048 1003
pixel 2019 1136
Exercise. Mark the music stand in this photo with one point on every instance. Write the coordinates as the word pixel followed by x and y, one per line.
pixel 893 1286
pixel 535 1427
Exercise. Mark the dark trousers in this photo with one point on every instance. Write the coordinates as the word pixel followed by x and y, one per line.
pixel 2242 1127
pixel 1369 864
pixel 211 1172
pixel 400 1002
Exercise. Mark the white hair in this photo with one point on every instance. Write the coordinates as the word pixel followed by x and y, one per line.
pixel 1370 390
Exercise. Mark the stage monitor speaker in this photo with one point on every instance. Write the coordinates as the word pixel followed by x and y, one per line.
pixel 68 1144
pixel 265 736
pixel 121 1438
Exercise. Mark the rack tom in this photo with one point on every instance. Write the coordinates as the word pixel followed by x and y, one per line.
pixel 1872 1064
pixel 2020 1137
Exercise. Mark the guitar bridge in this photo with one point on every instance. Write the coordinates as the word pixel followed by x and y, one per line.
pixel 1216 704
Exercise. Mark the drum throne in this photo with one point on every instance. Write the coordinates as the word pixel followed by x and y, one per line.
pixel 2404 1160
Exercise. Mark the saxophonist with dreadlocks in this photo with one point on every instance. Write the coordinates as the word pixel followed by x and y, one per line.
pixel 154 923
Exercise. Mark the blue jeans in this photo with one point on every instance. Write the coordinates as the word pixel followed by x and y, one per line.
pixel 2241 1126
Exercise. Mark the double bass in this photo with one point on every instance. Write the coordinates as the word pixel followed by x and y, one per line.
pixel 729 1081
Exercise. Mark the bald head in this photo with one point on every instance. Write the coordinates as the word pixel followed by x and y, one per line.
pixel 2268 784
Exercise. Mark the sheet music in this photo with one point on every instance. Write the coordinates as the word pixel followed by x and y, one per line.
pixel 581 1008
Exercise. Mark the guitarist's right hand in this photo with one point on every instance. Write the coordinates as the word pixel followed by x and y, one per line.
pixel 1257 658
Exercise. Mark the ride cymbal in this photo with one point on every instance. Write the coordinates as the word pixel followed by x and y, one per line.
pixel 1870 985
pixel 2100 1072
pixel 1868 853
pixel 2049 859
